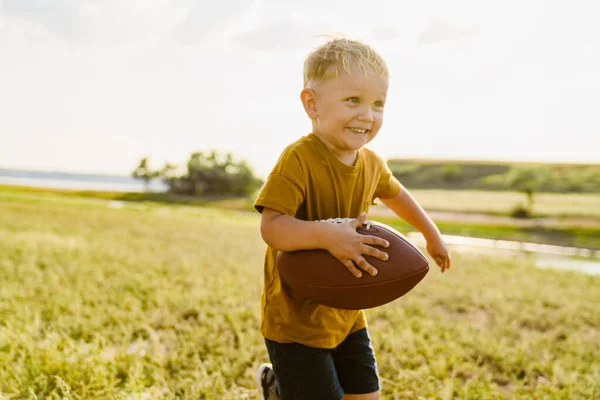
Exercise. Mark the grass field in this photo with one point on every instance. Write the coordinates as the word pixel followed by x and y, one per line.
pixel 545 204
pixel 162 302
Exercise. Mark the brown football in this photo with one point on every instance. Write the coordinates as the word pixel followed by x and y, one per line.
pixel 319 276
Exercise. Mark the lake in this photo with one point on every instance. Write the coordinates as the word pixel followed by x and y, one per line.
pixel 66 180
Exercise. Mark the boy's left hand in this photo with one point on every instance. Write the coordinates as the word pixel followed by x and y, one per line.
pixel 438 250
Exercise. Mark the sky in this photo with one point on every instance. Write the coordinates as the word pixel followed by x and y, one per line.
pixel 95 85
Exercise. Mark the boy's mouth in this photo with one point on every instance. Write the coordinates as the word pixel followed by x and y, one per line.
pixel 359 130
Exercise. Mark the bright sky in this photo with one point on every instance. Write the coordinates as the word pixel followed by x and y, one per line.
pixel 94 85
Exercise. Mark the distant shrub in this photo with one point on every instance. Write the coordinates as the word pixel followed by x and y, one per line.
pixel 400 170
pixel 492 182
pixel 451 172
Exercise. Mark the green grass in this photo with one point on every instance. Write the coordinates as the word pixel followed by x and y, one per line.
pixel 488 202
pixel 162 302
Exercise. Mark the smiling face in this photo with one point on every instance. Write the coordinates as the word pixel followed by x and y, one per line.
pixel 346 111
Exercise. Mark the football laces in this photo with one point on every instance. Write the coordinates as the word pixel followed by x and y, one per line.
pixel 342 220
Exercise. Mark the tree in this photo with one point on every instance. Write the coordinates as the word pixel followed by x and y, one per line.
pixel 216 174
pixel 171 176
pixel 526 180
pixel 210 174
pixel 143 172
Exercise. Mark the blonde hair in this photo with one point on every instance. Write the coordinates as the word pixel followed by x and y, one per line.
pixel 341 54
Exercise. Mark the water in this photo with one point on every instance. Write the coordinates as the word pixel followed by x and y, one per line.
pixel 65 180
pixel 544 256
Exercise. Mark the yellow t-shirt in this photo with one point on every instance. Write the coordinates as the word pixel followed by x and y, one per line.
pixel 308 182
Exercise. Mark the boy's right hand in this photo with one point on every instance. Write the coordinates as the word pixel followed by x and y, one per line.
pixel 349 246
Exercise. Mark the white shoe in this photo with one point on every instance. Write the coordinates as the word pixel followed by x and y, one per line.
pixel 266 383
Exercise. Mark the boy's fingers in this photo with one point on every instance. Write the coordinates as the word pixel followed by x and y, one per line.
pixel 443 262
pixel 440 262
pixel 376 241
pixel 366 266
pixel 360 220
pixel 350 265
pixel 372 251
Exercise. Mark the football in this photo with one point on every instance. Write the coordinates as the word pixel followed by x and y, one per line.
pixel 320 277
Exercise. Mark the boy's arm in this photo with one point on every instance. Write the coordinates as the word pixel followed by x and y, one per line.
pixel 406 207
pixel 286 233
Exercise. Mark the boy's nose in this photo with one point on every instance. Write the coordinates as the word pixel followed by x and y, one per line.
pixel 366 115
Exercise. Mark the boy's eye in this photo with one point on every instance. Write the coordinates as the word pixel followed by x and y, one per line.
pixel 353 100
pixel 379 104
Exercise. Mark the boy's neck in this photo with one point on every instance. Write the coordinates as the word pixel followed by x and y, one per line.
pixel 347 157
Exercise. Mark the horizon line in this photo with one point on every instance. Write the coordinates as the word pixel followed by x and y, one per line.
pixel 428 160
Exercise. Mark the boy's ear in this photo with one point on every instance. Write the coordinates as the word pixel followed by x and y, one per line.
pixel 309 101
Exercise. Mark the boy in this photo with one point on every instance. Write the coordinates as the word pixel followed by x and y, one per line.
pixel 318 352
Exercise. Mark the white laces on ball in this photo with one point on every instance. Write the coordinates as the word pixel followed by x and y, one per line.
pixel 342 220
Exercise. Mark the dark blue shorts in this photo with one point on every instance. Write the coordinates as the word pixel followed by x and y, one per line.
pixel 325 374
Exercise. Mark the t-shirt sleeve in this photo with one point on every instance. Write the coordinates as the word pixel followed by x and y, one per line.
pixel 285 187
pixel 388 185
